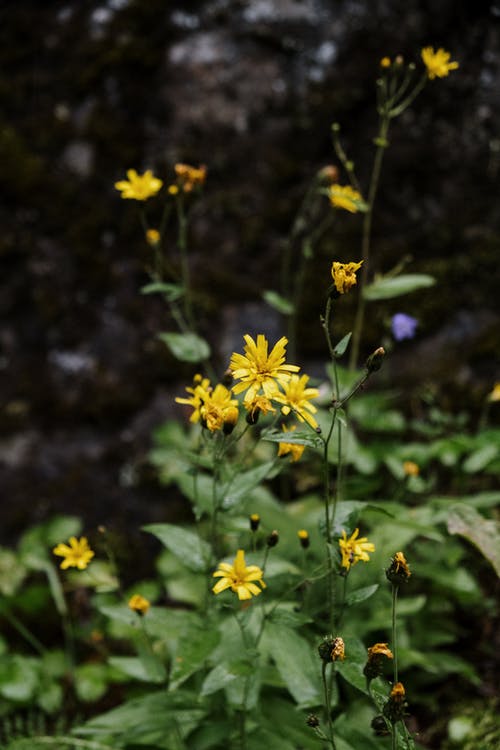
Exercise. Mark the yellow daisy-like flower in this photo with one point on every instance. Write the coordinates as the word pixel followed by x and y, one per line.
pixel 296 398
pixel 153 237
pixel 218 408
pixel 190 177
pixel 411 469
pixel 344 275
pixel 294 448
pixel 437 63
pixel 139 604
pixel 139 187
pixel 344 196
pixel 200 392
pixel 495 393
pixel 239 577
pixel 259 370
pixel 77 555
pixel 353 549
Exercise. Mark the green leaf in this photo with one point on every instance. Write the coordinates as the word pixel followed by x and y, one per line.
pixel 186 347
pixel 171 291
pixel 187 546
pixel 278 302
pixel 136 668
pixel 351 668
pixel 483 533
pixel 480 458
pixel 342 345
pixel 12 572
pixel 360 595
pixel 242 484
pixel 91 681
pixel 296 662
pixel 223 674
pixel 195 646
pixel 308 439
pixel 387 288
pixel 19 678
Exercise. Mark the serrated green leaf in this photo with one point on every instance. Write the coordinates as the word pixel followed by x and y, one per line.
pixel 186 347
pixel 186 545
pixel 387 288
pixel 278 302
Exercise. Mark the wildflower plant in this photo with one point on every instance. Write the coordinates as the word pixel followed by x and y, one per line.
pixel 262 628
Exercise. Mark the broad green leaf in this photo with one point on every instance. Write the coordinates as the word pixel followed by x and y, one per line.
pixel 483 533
pixel 360 595
pixel 136 668
pixel 193 650
pixel 242 484
pixel 91 681
pixel 186 347
pixel 342 345
pixel 186 545
pixel 19 677
pixel 223 674
pixel 351 668
pixel 480 458
pixel 297 663
pixel 171 291
pixel 387 288
pixel 308 439
pixel 278 302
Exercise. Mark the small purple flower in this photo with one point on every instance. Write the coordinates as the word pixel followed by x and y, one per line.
pixel 403 326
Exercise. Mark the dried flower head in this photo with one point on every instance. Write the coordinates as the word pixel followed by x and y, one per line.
pixel 332 649
pixel 399 571
pixel 344 275
pixel 376 656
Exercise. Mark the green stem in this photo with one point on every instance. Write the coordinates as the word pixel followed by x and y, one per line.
pixel 22 630
pixel 394 633
pixel 327 704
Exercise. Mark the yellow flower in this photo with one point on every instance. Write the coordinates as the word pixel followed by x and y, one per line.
pixel 77 555
pixel 411 469
pixel 239 577
pixel 257 406
pixel 200 392
pixel 218 408
pixel 294 448
pixel 303 538
pixel 296 397
pixel 138 604
pixel 152 237
pixel 353 549
pixel 139 187
pixel 344 196
pixel 344 275
pixel 437 63
pixel 398 692
pixel 190 177
pixel 259 370
pixel 495 393
pixel 385 62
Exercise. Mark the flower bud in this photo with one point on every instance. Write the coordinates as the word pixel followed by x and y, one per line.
pixel 254 521
pixel 312 721
pixel 374 361
pixel 394 709
pixel 273 538
pixel 304 538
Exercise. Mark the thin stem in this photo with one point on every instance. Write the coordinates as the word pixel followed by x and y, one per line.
pixel 394 633
pixel 327 704
pixel 22 630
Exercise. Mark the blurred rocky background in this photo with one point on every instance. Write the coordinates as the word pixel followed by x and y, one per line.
pixel 91 88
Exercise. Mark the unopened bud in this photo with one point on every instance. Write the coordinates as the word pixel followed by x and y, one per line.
pixel 254 521
pixel 273 538
pixel 374 361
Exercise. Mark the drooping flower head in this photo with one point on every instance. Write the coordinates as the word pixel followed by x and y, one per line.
pixel 76 555
pixel 259 371
pixel 199 393
pixel 403 326
pixel 353 549
pixel 346 197
pixel 296 398
pixel 139 187
pixel 437 63
pixel 189 177
pixel 239 577
pixel 139 604
pixel 344 275
pixel 296 449
pixel 257 406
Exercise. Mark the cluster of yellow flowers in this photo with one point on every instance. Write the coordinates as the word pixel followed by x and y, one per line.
pixel 266 380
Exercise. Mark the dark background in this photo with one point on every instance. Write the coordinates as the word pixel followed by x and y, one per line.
pixel 91 89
